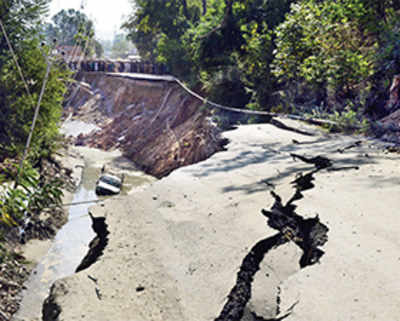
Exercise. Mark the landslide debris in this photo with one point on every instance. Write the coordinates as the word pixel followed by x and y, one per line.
pixel 156 124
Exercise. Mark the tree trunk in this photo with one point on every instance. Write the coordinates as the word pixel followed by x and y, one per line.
pixel 185 9
pixel 204 7
pixel 228 12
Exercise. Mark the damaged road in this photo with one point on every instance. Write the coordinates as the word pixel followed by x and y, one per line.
pixel 97 245
pixel 309 234
pixel 193 246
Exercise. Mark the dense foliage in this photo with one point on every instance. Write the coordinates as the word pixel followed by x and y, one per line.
pixel 19 96
pixel 285 55
pixel 35 193
pixel 22 75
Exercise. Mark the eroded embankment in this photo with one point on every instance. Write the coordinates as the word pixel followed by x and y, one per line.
pixel 155 123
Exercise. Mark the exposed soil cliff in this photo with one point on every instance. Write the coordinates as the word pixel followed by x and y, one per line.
pixel 154 122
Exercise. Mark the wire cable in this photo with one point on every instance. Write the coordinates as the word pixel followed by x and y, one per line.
pixel 35 116
pixel 15 59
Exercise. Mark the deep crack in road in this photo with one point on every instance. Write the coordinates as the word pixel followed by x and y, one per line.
pixel 308 234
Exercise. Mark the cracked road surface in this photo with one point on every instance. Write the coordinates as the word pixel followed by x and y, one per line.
pixel 175 248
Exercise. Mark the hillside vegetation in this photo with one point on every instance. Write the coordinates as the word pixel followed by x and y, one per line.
pixel 31 75
pixel 328 58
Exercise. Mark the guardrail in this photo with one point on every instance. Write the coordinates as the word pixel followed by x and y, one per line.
pixel 143 67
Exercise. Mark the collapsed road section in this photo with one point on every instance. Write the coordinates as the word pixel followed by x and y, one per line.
pixel 175 248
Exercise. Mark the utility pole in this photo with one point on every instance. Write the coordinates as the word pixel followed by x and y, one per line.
pixel 35 116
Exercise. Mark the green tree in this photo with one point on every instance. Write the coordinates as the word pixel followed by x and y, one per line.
pixel 246 52
pixel 18 106
pixel 73 28
pixel 23 70
pixel 154 20
pixel 326 46
pixel 22 17
pixel 19 96
pixel 238 35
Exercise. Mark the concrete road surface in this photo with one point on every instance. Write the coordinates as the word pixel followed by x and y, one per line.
pixel 175 248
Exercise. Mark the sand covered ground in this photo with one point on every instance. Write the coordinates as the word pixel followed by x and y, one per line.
pixel 174 248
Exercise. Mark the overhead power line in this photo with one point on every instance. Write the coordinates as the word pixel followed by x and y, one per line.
pixel 15 58
pixel 35 116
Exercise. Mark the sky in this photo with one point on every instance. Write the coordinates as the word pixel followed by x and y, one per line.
pixel 107 15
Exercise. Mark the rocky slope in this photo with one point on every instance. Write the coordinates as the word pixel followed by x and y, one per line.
pixel 154 122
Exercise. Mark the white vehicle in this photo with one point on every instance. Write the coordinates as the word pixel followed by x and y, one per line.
pixel 108 185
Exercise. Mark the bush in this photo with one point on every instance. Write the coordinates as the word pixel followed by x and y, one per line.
pixel 33 194
pixel 18 107
pixel 325 45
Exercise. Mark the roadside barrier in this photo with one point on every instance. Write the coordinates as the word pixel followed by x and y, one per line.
pixel 143 67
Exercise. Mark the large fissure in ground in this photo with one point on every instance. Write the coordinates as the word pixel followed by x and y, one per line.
pixel 241 292
pixel 309 234
pixel 50 309
pixel 97 245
